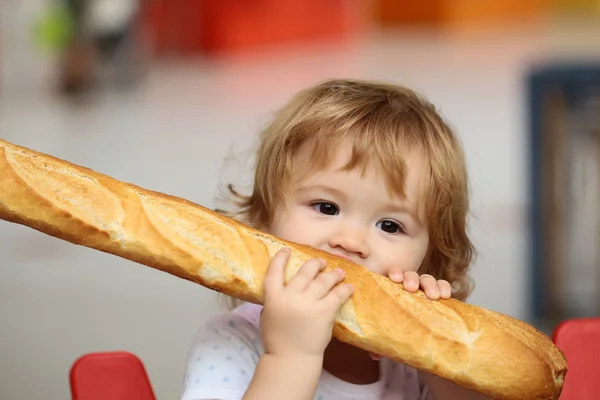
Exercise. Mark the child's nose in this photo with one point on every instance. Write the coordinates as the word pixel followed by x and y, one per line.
pixel 350 239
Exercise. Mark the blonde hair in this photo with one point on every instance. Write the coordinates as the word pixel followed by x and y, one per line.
pixel 385 123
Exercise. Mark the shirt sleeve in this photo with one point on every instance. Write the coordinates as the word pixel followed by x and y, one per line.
pixel 222 359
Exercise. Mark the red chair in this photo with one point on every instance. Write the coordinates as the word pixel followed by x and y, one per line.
pixel 579 339
pixel 110 375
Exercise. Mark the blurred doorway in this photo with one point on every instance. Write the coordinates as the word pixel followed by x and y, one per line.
pixel 565 188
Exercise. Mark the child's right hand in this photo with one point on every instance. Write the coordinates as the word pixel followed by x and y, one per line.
pixel 298 318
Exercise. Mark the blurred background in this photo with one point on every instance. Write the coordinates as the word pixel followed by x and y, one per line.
pixel 170 95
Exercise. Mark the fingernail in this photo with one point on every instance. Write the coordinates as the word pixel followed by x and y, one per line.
pixel 396 276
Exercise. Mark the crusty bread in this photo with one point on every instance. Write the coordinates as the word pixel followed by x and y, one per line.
pixel 491 353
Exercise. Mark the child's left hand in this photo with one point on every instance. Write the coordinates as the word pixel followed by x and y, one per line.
pixel 434 289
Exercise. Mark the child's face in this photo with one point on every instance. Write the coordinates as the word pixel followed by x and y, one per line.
pixel 355 216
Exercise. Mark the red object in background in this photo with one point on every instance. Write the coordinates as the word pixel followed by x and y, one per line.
pixel 209 26
pixel 110 375
pixel 579 339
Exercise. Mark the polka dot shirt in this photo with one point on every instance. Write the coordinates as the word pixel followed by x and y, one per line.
pixel 226 350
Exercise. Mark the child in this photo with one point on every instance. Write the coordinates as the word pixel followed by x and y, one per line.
pixel 366 171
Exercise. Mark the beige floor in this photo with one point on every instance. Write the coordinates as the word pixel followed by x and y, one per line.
pixel 58 301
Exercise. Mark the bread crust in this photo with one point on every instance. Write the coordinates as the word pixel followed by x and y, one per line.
pixel 492 353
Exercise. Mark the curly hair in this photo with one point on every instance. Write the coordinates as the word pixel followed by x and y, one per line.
pixel 385 123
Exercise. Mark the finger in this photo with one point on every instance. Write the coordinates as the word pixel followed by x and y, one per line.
pixel 275 275
pixel 411 281
pixel 445 289
pixel 396 274
pixel 429 285
pixel 306 274
pixel 338 296
pixel 375 356
pixel 324 282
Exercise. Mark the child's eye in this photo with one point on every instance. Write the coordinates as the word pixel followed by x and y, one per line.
pixel 325 208
pixel 390 226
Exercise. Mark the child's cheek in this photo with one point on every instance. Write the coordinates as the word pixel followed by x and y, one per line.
pixel 381 269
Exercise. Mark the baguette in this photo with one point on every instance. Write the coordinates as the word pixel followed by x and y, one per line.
pixel 491 353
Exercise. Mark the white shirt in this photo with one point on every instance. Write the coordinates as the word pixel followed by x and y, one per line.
pixel 225 352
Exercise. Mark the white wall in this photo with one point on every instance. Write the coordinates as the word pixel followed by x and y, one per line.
pixel 59 301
